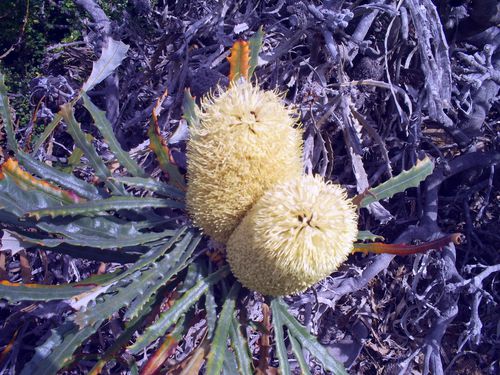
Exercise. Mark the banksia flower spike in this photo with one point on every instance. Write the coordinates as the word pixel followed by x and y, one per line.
pixel 298 233
pixel 245 144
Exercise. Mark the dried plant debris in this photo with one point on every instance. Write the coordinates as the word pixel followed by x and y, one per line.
pixel 376 85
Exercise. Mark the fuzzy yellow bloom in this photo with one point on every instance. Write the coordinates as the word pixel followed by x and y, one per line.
pixel 246 143
pixel 298 233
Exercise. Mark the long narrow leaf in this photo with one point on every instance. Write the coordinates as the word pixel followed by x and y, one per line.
pixel 155 362
pixel 104 126
pixel 279 338
pixel 15 292
pixel 173 314
pixel 229 366
pixel 103 205
pixel 240 346
pixel 57 351
pixel 160 147
pixel 211 309
pixel 27 182
pixel 307 340
pixel 218 348
pixel 165 269
pixel 96 162
pixel 297 351
pixel 64 180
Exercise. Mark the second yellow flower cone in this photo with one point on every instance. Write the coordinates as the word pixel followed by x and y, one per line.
pixel 246 143
pixel 297 234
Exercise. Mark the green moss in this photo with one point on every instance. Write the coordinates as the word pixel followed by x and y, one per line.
pixel 49 22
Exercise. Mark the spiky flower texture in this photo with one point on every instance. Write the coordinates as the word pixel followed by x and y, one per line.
pixel 246 143
pixel 298 233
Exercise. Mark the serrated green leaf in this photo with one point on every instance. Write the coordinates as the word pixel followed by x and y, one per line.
pixel 15 292
pixel 406 179
pixel 163 272
pixel 172 315
pixel 255 44
pixel 155 253
pixel 279 338
pixel 240 347
pixel 218 347
pixel 189 109
pixel 229 367
pixel 103 205
pixel 106 129
pixel 112 55
pixel 15 200
pixel 307 340
pixel 6 116
pixel 211 309
pixel 65 180
pixel 297 351
pixel 80 140
pixel 366 235
pixel 192 277
pixel 125 288
pixel 27 182
pixel 100 243
pixel 152 185
pixel 57 351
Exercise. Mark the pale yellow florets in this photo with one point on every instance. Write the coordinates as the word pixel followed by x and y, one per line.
pixel 298 233
pixel 246 143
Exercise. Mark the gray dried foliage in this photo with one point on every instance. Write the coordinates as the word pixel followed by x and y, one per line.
pixel 377 84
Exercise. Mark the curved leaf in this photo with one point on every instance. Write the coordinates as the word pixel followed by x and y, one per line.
pixel 27 182
pixel 65 180
pixel 105 128
pixel 80 139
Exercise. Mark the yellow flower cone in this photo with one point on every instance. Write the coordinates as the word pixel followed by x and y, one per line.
pixel 298 233
pixel 245 144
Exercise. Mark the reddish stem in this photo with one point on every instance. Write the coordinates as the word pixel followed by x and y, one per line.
pixel 405 249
